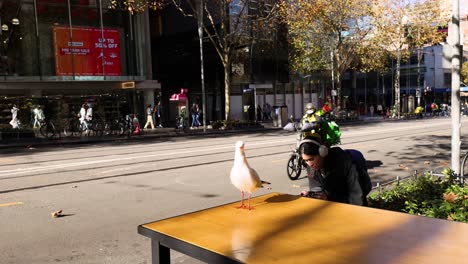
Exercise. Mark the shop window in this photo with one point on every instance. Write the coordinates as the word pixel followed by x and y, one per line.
pixel 447 79
pixel 18 43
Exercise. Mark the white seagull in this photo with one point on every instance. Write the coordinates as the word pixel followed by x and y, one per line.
pixel 243 177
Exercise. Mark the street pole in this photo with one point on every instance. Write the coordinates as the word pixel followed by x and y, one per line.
pixel 333 78
pixel 418 78
pixel 365 94
pixel 200 36
pixel 456 55
pixel 434 73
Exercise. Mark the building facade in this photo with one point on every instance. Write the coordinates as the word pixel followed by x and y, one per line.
pixel 60 54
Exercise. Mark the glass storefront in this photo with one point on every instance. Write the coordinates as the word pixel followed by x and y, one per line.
pixel 59 54
pixel 70 40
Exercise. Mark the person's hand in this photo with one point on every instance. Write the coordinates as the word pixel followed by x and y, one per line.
pixel 320 195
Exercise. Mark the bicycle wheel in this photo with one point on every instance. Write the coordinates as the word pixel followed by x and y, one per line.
pixel 294 168
pixel 47 130
pixel 120 129
pixel 66 128
pixel 75 127
pixel 108 130
pixel 98 128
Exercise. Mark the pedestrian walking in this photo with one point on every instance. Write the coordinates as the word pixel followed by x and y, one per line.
pixel 38 116
pixel 82 117
pixel 89 114
pixel 264 112
pixel 158 114
pixel 195 111
pixel 259 113
pixel 268 111
pixel 14 116
pixel 149 117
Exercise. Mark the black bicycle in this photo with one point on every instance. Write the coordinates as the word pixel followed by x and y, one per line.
pixel 96 126
pixel 47 129
pixel 295 162
pixel 181 125
pixel 295 165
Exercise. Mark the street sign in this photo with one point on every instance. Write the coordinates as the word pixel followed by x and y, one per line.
pixel 418 93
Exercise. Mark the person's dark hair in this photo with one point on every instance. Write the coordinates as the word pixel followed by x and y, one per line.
pixel 310 148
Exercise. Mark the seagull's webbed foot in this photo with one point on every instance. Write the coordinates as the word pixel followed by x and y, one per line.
pixel 250 207
pixel 242 205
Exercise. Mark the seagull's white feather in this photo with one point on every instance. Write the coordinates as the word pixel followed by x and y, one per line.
pixel 243 177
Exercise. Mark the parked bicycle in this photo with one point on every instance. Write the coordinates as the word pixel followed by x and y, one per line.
pixel 96 126
pixel 119 126
pixel 181 124
pixel 47 129
pixel 93 127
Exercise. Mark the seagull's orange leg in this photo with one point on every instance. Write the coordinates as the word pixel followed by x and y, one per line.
pixel 242 205
pixel 250 207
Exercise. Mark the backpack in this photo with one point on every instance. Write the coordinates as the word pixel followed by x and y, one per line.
pixel 364 180
pixel 330 133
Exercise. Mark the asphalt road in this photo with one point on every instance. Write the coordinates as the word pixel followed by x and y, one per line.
pixel 106 190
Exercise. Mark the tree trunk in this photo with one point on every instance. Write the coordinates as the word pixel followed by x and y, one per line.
pixel 227 81
pixel 397 83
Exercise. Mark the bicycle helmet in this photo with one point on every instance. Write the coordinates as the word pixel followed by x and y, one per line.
pixel 310 109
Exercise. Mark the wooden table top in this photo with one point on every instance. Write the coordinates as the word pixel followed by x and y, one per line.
pixel 286 228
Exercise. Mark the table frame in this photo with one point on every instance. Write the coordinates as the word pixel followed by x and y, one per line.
pixel 161 245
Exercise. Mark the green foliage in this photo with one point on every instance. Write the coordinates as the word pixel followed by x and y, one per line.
pixel 464 72
pixel 426 195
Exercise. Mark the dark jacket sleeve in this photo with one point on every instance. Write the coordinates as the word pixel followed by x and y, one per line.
pixel 354 188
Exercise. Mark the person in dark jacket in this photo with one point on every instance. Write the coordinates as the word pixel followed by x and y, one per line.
pixel 333 171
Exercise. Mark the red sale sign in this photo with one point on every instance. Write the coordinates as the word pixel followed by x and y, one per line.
pixel 89 52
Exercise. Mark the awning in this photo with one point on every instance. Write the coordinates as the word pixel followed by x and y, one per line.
pixel 443 90
pixel 181 97
pixel 437 90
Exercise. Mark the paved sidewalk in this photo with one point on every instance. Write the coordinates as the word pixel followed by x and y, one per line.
pixel 146 134
pixel 160 133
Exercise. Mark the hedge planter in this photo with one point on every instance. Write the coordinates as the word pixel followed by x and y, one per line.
pixel 426 195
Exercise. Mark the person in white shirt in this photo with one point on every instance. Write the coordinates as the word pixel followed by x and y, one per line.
pixel 14 116
pixel 82 116
pixel 89 114
pixel 38 116
pixel 149 117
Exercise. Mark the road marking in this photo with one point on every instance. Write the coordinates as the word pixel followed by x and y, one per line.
pixel 279 161
pixel 11 204
pixel 7 160
pixel 120 169
pixel 20 171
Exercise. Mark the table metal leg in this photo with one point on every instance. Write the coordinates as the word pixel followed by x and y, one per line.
pixel 160 253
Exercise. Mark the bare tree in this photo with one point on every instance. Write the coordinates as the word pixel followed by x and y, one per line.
pixel 228 26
